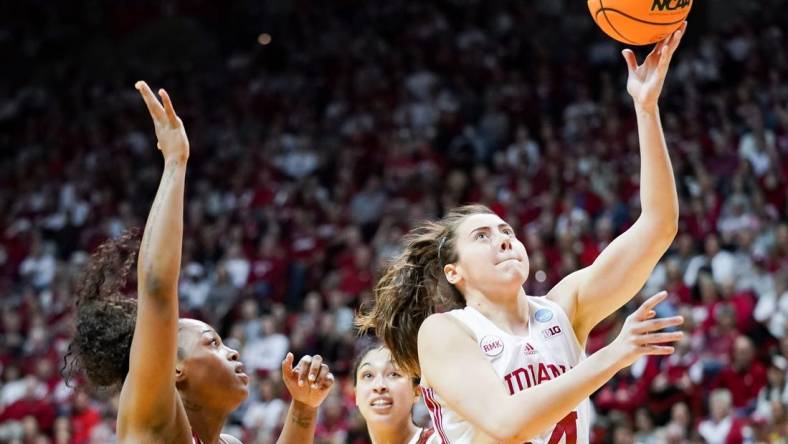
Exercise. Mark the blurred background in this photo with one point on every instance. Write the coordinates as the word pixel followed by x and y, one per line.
pixel 322 131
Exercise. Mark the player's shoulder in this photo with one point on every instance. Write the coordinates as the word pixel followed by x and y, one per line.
pixel 565 292
pixel 435 323
pixel 544 302
pixel 441 327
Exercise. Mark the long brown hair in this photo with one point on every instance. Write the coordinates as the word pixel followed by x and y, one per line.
pixel 414 286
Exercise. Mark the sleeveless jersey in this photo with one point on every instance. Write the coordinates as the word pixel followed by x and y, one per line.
pixel 424 436
pixel 549 350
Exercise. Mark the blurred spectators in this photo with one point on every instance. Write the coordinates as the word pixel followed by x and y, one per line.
pixel 315 153
pixel 721 426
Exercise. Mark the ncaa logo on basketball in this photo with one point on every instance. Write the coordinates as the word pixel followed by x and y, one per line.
pixel 543 315
pixel 669 5
pixel 491 345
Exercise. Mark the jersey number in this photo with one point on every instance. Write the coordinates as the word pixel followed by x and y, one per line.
pixel 565 427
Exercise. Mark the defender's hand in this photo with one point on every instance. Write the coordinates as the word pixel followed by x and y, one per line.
pixel 172 140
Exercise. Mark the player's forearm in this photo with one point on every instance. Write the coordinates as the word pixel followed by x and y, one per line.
pixel 659 202
pixel 532 411
pixel 160 252
pixel 300 424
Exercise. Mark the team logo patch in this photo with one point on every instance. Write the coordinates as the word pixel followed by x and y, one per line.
pixel 552 331
pixel 491 345
pixel 529 349
pixel 543 315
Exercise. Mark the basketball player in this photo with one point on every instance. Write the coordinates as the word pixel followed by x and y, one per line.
pixel 179 382
pixel 385 396
pixel 509 367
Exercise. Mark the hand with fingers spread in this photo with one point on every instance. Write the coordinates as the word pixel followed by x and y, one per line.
pixel 171 135
pixel 645 81
pixel 310 381
pixel 640 334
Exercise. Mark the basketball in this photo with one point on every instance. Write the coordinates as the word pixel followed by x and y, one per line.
pixel 639 22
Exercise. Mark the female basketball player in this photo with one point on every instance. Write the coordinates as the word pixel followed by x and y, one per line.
pixel 385 396
pixel 509 367
pixel 179 381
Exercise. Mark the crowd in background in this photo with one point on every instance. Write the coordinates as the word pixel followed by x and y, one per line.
pixel 313 154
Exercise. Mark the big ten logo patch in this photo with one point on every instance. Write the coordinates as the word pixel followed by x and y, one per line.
pixel 551 331
pixel 491 345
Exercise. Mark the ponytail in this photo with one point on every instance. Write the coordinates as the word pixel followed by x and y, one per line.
pixel 414 286
pixel 105 317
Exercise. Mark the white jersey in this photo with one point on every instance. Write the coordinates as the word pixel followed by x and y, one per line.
pixel 549 350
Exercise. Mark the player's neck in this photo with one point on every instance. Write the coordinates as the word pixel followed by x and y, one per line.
pixel 206 424
pixel 396 434
pixel 510 314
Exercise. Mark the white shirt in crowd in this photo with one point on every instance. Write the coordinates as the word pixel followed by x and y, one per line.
pixel 264 415
pixel 772 311
pixel 715 433
pixel 723 268
pixel 40 270
pixel 265 353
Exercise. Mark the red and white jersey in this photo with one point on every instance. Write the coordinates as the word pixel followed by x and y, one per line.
pixel 549 350
pixel 424 436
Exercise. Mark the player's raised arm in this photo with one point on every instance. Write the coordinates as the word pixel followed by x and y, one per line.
pixel 308 383
pixel 149 393
pixel 476 393
pixel 591 294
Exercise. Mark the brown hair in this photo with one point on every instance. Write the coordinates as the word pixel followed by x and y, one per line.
pixel 105 317
pixel 414 286
pixel 374 345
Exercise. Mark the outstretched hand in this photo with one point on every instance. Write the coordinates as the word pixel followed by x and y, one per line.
pixel 309 382
pixel 645 81
pixel 171 135
pixel 640 335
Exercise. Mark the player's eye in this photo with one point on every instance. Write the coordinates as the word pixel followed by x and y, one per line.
pixel 366 375
pixel 480 235
pixel 395 374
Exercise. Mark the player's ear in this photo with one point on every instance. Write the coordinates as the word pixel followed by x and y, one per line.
pixel 180 367
pixel 180 374
pixel 453 273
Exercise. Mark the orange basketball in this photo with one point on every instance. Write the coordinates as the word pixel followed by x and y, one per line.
pixel 639 22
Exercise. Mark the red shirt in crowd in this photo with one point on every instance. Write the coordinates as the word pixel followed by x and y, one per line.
pixel 41 409
pixel 745 384
pixel 82 424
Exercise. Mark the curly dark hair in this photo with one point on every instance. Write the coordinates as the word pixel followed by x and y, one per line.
pixel 105 316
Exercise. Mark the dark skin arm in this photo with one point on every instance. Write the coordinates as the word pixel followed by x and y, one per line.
pixel 149 400
pixel 309 383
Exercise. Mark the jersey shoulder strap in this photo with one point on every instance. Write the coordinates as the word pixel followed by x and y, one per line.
pixel 424 436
